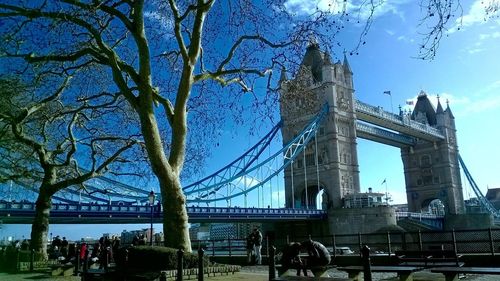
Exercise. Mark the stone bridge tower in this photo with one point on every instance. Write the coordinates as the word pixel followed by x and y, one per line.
pixel 432 170
pixel 336 172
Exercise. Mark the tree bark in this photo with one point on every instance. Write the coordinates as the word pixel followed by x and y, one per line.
pixel 40 226
pixel 175 226
pixel 175 217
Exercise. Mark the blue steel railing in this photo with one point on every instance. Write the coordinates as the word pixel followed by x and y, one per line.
pixel 27 208
pixel 371 130
pixel 400 120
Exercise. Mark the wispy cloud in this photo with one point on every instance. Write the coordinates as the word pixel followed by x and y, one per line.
pixel 390 32
pixel 157 17
pixel 476 15
pixel 403 38
pixel 357 8
pixel 489 35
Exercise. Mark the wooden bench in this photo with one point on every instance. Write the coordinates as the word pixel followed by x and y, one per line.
pixel 62 269
pixel 306 278
pixel 93 274
pixel 451 273
pixel 405 273
pixel 317 271
pixel 429 258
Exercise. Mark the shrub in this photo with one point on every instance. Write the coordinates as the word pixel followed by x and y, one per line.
pixel 154 258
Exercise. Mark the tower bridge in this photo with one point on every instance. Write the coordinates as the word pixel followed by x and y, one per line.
pixel 321 121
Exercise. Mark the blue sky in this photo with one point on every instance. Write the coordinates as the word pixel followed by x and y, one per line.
pixel 465 72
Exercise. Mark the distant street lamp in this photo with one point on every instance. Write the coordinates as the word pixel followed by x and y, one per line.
pixel 151 198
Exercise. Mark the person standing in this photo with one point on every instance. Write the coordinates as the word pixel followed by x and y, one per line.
pixel 250 247
pixel 257 241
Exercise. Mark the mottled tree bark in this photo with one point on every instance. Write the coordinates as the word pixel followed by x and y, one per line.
pixel 40 226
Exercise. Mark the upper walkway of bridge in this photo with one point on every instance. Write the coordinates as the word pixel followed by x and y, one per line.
pixel 22 212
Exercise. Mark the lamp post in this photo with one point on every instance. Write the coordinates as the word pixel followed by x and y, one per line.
pixel 151 198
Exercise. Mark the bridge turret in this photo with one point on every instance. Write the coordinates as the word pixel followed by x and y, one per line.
pixel 318 81
pixel 431 169
pixel 424 111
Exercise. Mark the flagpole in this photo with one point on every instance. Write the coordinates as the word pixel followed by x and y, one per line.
pixel 390 94
pixel 386 196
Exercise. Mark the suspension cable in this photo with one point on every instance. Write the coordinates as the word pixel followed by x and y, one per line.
pixel 293 187
pixel 317 166
pixel 305 176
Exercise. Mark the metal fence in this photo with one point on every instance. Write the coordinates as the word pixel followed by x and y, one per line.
pixel 475 241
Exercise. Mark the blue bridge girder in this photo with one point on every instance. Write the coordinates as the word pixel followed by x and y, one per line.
pixel 23 213
pixel 370 132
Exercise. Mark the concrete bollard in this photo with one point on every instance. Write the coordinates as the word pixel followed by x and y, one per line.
pixel 272 263
pixel 163 276
pixel 365 254
pixel 32 260
pixel 200 264
pixel 78 261
pixel 180 257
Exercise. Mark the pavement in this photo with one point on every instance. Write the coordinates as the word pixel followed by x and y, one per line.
pixel 260 273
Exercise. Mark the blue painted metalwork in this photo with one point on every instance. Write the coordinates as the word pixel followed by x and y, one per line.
pixel 402 121
pixel 363 129
pixel 13 212
pixel 235 168
pixel 289 151
pixel 431 220
pixel 482 199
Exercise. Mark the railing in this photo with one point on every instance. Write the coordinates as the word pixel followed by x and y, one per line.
pixel 13 208
pixel 385 134
pixel 400 120
pixel 476 241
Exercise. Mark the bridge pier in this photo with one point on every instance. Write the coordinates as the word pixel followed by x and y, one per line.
pixel 360 220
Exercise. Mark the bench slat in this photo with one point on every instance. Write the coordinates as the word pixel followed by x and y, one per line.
pixel 451 273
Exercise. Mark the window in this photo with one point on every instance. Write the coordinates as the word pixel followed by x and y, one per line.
pixel 425 161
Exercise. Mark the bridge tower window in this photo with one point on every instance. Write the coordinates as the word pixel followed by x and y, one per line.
pixel 425 161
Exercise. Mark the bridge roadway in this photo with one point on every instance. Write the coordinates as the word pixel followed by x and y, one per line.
pixel 88 213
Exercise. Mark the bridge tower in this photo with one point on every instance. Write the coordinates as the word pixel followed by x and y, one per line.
pixel 336 171
pixel 431 169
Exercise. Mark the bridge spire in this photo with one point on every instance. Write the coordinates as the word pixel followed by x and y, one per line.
pixel 439 109
pixel 347 67
pixel 448 109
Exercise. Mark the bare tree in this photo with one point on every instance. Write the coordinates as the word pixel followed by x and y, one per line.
pixel 46 137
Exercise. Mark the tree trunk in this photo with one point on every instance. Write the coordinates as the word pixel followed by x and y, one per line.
pixel 175 218
pixel 40 226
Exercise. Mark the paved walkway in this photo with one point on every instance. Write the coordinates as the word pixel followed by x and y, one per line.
pixel 259 273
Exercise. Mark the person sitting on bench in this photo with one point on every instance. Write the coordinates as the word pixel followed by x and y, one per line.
pixel 317 255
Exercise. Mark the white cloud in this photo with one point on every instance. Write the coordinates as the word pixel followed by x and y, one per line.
pixel 476 15
pixel 475 50
pixel 358 8
pixel 390 32
pixel 490 35
pixel 157 17
pixel 405 39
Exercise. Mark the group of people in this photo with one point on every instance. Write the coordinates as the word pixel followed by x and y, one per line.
pixel 317 255
pixel 60 248
pixel 254 245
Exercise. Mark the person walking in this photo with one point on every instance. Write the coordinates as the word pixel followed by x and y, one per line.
pixel 257 241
